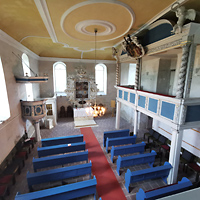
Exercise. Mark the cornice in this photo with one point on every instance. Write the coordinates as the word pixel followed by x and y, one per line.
pixel 14 43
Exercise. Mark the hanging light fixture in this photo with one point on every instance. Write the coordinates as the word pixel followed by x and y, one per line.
pixel 98 110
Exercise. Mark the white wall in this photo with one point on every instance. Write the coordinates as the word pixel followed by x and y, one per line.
pixel 149 74
pixel 13 129
pixel 46 89
pixel 191 137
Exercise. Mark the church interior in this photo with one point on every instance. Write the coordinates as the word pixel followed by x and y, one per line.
pixel 99 99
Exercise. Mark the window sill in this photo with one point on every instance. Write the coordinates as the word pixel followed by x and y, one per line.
pixel 101 93
pixel 63 94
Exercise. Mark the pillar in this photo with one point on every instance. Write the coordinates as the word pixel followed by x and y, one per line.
pixel 174 156
pixel 37 131
pixel 118 65
pixel 182 72
pixel 135 122
pixel 117 124
pixel 137 74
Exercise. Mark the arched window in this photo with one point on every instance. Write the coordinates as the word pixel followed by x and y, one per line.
pixel 101 78
pixel 60 78
pixel 27 72
pixel 4 104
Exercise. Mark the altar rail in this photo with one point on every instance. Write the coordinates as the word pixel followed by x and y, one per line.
pixel 177 113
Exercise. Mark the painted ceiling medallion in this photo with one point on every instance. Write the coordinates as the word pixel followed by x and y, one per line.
pixel 108 27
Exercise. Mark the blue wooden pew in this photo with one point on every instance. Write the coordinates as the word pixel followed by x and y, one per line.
pixel 39 163
pixel 182 185
pixel 145 174
pixel 136 160
pixel 70 191
pixel 122 150
pixel 60 149
pixel 58 174
pixel 120 141
pixel 61 140
pixel 114 134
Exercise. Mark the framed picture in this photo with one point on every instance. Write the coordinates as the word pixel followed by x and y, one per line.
pixel 82 90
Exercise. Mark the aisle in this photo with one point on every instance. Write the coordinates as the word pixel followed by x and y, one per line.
pixel 107 185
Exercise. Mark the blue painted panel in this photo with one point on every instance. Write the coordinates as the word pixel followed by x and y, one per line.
pixel 158 33
pixel 120 94
pixel 153 105
pixel 193 113
pixel 167 110
pixel 141 101
pixel 126 96
pixel 132 98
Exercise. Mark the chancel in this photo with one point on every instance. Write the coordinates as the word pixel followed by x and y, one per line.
pixel 99 99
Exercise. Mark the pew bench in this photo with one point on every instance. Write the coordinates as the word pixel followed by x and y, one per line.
pixel 58 174
pixel 129 149
pixel 167 190
pixel 120 141
pixel 114 134
pixel 136 160
pixel 60 149
pixel 61 140
pixel 70 191
pixel 39 163
pixel 145 174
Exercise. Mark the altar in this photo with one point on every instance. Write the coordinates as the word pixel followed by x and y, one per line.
pixel 83 117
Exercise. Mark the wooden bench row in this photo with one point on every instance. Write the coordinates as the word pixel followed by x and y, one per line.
pixel 120 141
pixel 60 149
pixel 61 140
pixel 70 191
pixel 145 174
pixel 58 174
pixel 128 149
pixel 128 161
pixel 39 163
pixel 181 186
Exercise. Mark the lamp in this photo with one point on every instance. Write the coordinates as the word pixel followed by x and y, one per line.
pixel 98 110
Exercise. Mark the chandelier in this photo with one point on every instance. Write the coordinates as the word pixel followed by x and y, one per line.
pixel 98 110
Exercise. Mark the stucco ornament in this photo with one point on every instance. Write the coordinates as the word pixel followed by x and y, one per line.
pixel 182 14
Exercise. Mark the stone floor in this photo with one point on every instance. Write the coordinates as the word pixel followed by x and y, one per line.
pixel 106 123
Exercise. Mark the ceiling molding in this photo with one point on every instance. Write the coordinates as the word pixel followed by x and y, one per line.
pixel 12 42
pixel 145 26
pixel 76 60
pixel 132 14
pixel 44 13
pixel 109 27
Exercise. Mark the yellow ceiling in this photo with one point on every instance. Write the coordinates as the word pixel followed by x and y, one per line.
pixel 65 28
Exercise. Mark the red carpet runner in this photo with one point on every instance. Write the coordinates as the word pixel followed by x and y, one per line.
pixel 108 187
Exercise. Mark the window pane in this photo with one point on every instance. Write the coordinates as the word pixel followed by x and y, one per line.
pixel 60 77
pixel 4 104
pixel 101 77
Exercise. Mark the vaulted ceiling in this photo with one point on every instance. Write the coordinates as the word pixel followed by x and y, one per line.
pixel 65 28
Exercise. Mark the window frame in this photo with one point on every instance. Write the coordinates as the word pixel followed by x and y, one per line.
pixel 4 95
pixel 104 92
pixel 59 93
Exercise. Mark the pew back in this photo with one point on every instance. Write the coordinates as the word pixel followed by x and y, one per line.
pixel 136 160
pixel 60 149
pixel 165 191
pixel 58 174
pixel 114 134
pixel 61 140
pixel 145 174
pixel 120 141
pixel 70 191
pixel 39 163
pixel 122 150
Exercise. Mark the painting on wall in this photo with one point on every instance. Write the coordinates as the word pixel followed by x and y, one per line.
pixel 82 90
